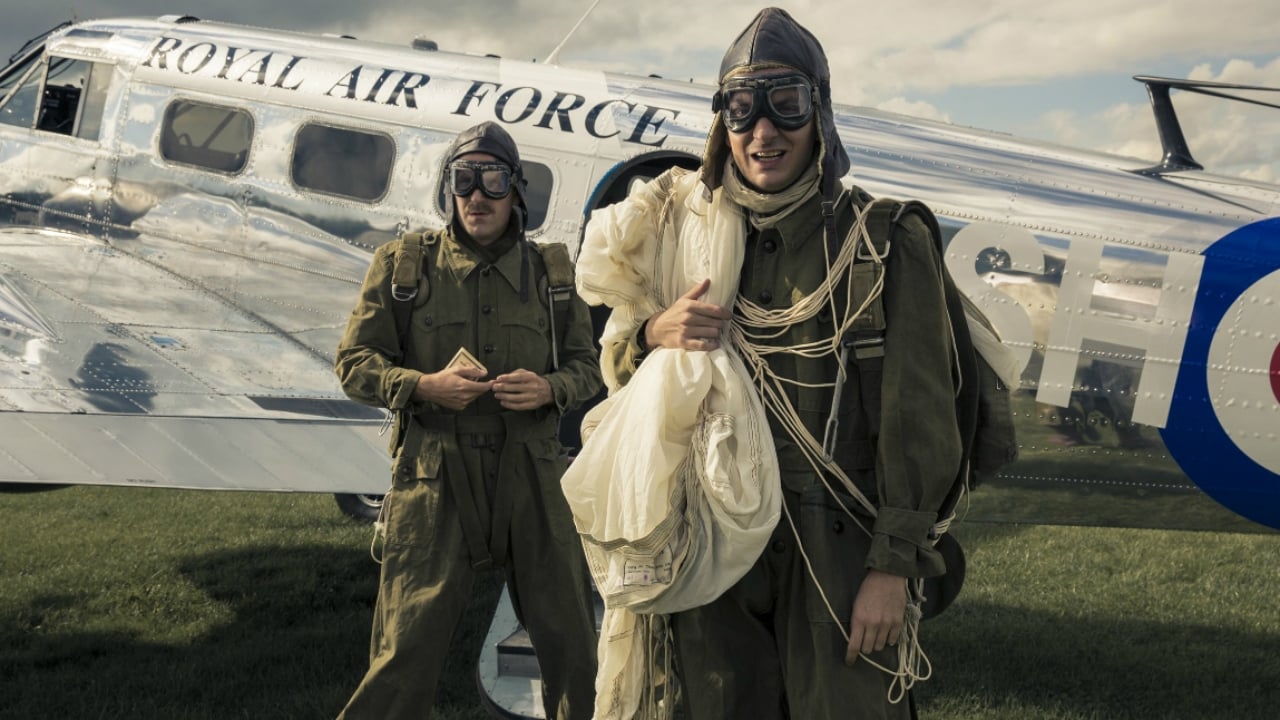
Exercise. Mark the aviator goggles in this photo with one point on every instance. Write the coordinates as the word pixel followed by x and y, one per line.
pixel 493 179
pixel 787 100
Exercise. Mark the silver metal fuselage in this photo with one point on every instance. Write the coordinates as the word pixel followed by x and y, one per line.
pixel 167 324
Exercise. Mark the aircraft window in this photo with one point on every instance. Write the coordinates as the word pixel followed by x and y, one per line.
pixel 207 136
pixel 13 75
pixel 342 161
pixel 20 107
pixel 95 101
pixel 537 193
pixel 60 103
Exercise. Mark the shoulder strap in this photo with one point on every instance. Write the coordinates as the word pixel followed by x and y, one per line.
pixel 866 338
pixel 883 217
pixel 555 256
pixel 882 214
pixel 406 272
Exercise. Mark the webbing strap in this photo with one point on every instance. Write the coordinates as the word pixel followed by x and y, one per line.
pixel 555 256
pixel 405 274
pixel 865 340
pixel 475 516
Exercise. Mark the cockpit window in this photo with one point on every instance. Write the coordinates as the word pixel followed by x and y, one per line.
pixel 95 101
pixel 75 94
pixel 343 161
pixel 214 137
pixel 19 88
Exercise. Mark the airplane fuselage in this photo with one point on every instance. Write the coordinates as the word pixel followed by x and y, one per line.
pixel 182 247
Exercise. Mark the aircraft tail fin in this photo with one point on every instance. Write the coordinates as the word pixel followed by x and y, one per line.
pixel 1176 154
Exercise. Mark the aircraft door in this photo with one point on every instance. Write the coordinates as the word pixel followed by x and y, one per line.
pixel 612 187
pixel 50 128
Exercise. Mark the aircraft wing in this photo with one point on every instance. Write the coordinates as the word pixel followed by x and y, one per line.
pixel 170 362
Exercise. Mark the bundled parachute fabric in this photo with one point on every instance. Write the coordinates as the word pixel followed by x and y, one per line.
pixel 676 490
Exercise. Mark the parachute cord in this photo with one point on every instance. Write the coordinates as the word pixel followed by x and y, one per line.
pixel 749 328
pixel 379 531
pixel 913 664
pixel 658 701
pixel 753 325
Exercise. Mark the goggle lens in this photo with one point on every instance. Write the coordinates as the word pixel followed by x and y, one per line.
pixel 787 102
pixel 493 179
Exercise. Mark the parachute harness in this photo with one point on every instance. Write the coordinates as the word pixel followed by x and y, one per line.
pixel 754 325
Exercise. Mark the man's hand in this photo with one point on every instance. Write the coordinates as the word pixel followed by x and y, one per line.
pixel 453 388
pixel 522 390
pixel 689 323
pixel 877 614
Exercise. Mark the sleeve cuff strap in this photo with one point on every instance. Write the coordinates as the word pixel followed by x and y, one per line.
pixel 912 526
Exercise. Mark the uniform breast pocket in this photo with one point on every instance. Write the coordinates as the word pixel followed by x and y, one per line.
pixel 438 330
pixel 527 334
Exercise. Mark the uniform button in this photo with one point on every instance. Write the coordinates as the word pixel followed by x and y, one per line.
pixel 766 297
pixel 837 527
pixel 824 314
pixel 779 546
pixel 485 272
pixel 769 246
pixel 427 321
pixel 486 309
pixel 488 348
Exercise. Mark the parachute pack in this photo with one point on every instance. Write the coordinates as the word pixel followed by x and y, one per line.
pixel 984 413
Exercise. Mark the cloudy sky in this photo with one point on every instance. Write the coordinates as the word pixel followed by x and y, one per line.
pixel 1054 69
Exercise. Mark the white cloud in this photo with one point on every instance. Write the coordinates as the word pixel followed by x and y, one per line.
pixel 930 46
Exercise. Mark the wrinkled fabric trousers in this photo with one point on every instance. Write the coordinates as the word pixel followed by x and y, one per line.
pixel 768 648
pixel 427 582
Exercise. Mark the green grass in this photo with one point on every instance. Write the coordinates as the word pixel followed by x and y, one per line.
pixel 144 603
pixel 1075 623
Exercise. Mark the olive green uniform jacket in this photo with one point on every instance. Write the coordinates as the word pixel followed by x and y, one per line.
pixel 466 304
pixel 769 647
pixel 908 468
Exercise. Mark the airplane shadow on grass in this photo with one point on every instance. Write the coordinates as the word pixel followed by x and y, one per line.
pixel 992 656
pixel 295 646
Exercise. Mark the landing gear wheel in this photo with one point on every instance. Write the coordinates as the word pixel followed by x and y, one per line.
pixel 360 507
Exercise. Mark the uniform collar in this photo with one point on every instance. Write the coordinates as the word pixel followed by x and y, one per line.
pixel 801 225
pixel 461 261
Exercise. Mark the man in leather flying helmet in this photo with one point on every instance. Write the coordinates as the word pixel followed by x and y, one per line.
pixel 818 626
pixel 476 475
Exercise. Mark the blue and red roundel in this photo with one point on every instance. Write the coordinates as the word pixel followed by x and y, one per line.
pixel 1224 423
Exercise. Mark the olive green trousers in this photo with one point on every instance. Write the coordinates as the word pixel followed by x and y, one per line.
pixel 768 648
pixel 427 581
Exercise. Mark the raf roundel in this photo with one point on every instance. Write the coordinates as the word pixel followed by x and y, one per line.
pixel 1243 398
pixel 1275 373
pixel 1224 424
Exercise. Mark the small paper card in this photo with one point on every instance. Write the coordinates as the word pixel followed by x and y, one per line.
pixel 464 358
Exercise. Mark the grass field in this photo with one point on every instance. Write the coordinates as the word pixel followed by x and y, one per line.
pixel 144 603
